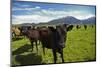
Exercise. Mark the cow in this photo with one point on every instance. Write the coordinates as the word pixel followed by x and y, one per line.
pixel 85 26
pixel 16 32
pixel 78 26
pixel 24 30
pixel 92 26
pixel 33 35
pixel 54 39
pixel 70 27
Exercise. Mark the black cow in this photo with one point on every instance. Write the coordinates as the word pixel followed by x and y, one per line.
pixel 70 27
pixel 92 26
pixel 78 26
pixel 85 26
pixel 54 39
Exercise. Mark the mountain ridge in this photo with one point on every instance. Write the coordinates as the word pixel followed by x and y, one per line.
pixel 66 20
pixel 73 20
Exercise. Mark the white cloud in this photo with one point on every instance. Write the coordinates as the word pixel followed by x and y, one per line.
pixel 76 14
pixel 30 19
pixel 80 15
pixel 84 16
pixel 25 5
pixel 37 7
pixel 53 12
pixel 15 9
pixel 43 15
pixel 26 8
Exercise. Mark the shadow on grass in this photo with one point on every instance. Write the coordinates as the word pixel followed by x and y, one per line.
pixel 16 39
pixel 30 59
pixel 22 49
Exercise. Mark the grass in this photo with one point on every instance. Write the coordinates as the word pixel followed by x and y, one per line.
pixel 80 47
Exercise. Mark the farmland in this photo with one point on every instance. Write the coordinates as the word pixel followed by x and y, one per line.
pixel 80 47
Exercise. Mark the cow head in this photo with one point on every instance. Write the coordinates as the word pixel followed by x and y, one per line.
pixel 61 34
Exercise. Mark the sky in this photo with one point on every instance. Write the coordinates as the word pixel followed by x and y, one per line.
pixel 37 12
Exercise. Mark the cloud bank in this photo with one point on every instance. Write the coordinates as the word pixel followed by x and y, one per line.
pixel 39 15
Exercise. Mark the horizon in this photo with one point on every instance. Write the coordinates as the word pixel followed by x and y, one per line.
pixel 38 12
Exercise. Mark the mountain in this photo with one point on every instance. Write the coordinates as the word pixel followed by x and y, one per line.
pixel 67 20
pixel 91 20
pixel 73 20
pixel 27 24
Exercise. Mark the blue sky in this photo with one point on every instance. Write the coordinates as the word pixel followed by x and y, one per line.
pixel 29 12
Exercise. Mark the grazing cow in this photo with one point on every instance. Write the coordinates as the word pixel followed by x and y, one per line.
pixel 85 26
pixel 70 27
pixel 78 26
pixel 54 39
pixel 92 26
pixel 33 35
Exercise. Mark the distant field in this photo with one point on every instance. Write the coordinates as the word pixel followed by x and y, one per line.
pixel 80 46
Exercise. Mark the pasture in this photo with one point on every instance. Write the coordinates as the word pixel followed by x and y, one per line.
pixel 80 47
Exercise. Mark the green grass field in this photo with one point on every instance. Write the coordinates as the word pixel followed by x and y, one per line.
pixel 80 46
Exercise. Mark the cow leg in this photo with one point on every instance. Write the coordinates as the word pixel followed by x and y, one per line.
pixel 61 52
pixel 54 55
pixel 24 36
pixel 43 47
pixel 39 42
pixel 36 46
pixel 15 36
pixel 32 45
pixel 43 50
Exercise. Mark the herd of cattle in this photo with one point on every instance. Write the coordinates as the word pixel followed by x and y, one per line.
pixel 50 37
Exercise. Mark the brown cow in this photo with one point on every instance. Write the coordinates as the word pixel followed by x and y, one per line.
pixel 16 32
pixel 33 35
